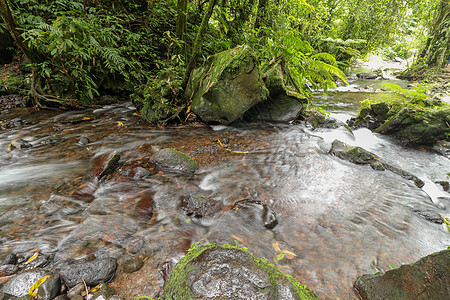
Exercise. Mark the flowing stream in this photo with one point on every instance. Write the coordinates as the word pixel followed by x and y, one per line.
pixel 337 220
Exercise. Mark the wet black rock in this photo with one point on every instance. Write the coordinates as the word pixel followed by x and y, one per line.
pixel 51 140
pixel 50 288
pixel 139 173
pixel 198 206
pixel 10 259
pixel 132 265
pixel 40 261
pixel 111 164
pixel 445 185
pixel 7 270
pixel 93 272
pixel 256 211
pixel 19 144
pixel 428 278
pixel 430 215
pixel 443 148
pixel 83 141
pixel 173 159
pixel 20 285
pixel 225 272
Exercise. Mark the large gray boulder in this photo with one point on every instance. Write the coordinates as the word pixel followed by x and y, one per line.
pixel 428 278
pixel 230 273
pixel 226 86
pixel 284 104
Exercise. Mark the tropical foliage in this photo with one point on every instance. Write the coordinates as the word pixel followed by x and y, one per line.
pixel 80 49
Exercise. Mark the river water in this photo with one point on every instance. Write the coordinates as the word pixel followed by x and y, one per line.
pixel 337 220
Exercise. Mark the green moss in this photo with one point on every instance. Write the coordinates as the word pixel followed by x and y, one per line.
pixel 178 286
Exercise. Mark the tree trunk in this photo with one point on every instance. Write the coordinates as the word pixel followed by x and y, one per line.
pixel 181 27
pixel 198 43
pixel 437 48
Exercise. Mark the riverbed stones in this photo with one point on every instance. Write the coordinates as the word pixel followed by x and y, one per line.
pixel 256 211
pixel 229 272
pixel 19 285
pixel 428 278
pixel 175 160
pixel 198 206
pixel 19 144
pixel 226 86
pixel 93 272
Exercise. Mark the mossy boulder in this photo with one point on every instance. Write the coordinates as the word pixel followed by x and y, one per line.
pixel 226 86
pixel 423 123
pixel 173 159
pixel 428 278
pixel 283 103
pixel 230 273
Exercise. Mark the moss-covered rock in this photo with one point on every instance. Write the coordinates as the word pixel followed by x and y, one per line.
pixel 174 160
pixel 428 278
pixel 422 123
pixel 229 272
pixel 361 156
pixel 227 85
pixel 283 103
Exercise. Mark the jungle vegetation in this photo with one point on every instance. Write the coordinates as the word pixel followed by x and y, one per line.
pixel 78 50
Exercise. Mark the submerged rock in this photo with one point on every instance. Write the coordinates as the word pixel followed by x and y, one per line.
pixel 93 272
pixel 443 148
pixel 428 278
pixel 226 86
pixel 198 206
pixel 256 211
pixel 174 160
pixel 19 144
pixel 361 156
pixel 430 215
pixel 227 272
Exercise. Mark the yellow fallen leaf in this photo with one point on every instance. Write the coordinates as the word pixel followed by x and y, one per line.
pixel 120 124
pixel 34 288
pixel 276 247
pixel 86 118
pixel 33 257
pixel 220 143
pixel 288 254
